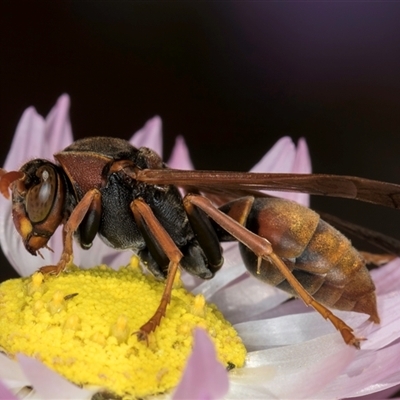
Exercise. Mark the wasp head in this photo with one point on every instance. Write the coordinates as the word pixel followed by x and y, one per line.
pixel 38 201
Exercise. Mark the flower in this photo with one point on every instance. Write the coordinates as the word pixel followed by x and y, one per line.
pixel 82 325
pixel 292 351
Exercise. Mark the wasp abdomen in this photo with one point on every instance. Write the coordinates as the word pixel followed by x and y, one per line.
pixel 320 257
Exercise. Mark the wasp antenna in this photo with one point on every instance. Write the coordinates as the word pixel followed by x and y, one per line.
pixel 6 179
pixel 49 248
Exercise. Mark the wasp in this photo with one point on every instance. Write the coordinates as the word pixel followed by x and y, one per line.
pixel 131 199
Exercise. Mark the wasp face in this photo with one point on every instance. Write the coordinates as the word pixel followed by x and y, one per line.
pixel 38 198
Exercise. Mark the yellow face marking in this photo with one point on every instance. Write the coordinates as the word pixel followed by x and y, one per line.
pixel 25 227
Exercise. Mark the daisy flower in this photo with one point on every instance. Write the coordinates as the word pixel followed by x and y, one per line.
pixel 291 351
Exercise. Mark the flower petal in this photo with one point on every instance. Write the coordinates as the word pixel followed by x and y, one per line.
pixel 28 140
pixel 180 158
pixel 322 359
pixel 11 373
pixel 371 372
pixel 149 136
pixel 57 130
pixel 301 165
pixel 279 158
pixel 290 329
pixel 204 377
pixel 5 394
pixel 387 277
pixel 11 243
pixel 34 138
pixel 285 158
pixel 248 298
pixel 100 253
pixel 48 383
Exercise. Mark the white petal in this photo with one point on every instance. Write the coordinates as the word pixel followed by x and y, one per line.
pixel 149 136
pixel 290 329
pixel 48 383
pixel 226 275
pixel 372 371
pixel 11 373
pixel 22 261
pixel 247 299
pixel 322 359
pixel 380 335
pixel 100 253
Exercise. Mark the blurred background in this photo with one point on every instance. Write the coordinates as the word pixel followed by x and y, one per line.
pixel 231 77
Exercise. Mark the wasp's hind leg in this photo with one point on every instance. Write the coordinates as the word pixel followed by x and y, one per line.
pixel 262 248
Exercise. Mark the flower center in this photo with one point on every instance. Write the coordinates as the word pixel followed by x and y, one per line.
pixel 82 325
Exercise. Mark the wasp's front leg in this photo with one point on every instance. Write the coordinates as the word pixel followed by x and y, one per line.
pixel 85 217
pixel 157 236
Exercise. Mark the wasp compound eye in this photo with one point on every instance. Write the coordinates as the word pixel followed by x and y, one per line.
pixel 40 197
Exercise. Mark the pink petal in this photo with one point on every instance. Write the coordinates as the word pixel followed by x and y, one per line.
pixel 301 165
pixel 285 158
pixel 34 138
pixel 180 158
pixel 5 394
pixel 48 383
pixel 149 136
pixel 302 161
pixel 384 394
pixel 28 140
pixel 279 158
pixel 204 377
pixel 387 278
pixel 57 131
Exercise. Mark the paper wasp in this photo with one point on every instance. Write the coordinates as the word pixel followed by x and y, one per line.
pixel 130 198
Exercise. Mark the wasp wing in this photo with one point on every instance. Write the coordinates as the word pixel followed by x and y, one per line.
pixel 377 239
pixel 351 187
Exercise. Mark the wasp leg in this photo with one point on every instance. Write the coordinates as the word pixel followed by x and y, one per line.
pixel 263 249
pixel 144 215
pixel 91 202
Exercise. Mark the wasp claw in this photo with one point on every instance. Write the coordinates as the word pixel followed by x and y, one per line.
pixel 142 336
pixel 51 270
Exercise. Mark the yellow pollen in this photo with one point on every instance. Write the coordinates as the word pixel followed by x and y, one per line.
pixel 135 262
pixel 56 304
pixel 121 329
pixel 72 322
pixel 82 324
pixel 36 284
pixel 199 305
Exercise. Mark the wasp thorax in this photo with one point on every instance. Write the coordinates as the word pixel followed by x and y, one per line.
pixel 40 197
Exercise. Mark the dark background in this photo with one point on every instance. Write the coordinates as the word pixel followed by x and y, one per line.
pixel 232 77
